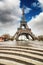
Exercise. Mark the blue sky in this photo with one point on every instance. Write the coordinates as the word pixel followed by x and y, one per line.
pixel 11 14
pixel 33 5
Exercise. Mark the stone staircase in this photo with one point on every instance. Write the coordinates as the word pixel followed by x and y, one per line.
pixel 20 55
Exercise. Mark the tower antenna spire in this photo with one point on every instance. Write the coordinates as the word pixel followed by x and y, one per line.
pixel 23 13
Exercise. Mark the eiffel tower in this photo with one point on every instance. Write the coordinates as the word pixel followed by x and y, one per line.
pixel 24 29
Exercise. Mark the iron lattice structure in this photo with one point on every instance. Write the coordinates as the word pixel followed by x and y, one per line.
pixel 24 29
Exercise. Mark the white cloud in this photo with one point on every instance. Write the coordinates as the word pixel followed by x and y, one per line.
pixel 10 14
pixel 34 4
pixel 41 3
pixel 9 3
pixel 9 29
pixel 27 10
pixel 36 24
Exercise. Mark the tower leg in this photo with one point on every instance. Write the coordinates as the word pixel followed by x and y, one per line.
pixel 27 36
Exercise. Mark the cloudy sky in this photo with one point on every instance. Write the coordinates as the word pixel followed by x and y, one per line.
pixel 11 13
